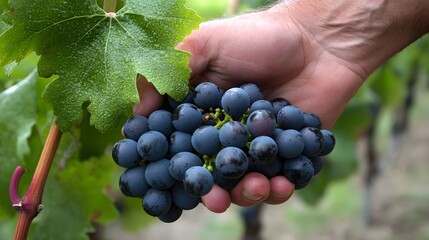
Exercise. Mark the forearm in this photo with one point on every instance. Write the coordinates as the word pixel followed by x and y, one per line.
pixel 363 33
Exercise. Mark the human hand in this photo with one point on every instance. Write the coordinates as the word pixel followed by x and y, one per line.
pixel 285 59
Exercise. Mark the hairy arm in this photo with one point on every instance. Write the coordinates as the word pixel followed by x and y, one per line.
pixel 362 33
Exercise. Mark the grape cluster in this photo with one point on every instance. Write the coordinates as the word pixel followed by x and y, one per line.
pixel 175 156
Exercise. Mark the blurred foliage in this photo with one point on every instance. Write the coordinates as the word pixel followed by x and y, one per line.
pixel 82 188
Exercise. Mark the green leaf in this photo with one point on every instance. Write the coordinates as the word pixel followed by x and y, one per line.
pixel 94 143
pixel 74 200
pixel 18 108
pixel 97 56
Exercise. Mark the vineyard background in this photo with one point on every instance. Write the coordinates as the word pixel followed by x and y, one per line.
pixel 348 200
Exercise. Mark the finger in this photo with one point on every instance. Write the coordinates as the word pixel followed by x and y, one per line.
pixel 281 190
pixel 150 99
pixel 252 189
pixel 217 200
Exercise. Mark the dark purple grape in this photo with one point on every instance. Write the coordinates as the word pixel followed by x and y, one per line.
pixel 125 153
pixel 135 127
pixel 160 120
pixel 158 175
pixel 263 150
pixel 279 103
pixel 223 182
pixel 235 102
pixel 198 181
pixel 317 164
pixel 261 123
pixel 253 91
pixel 269 170
pixel 182 198
pixel 290 143
pixel 172 215
pixel 313 141
pixel 261 105
pixel 208 95
pixel 232 162
pixel 132 182
pixel 152 146
pixel 181 162
pixel 298 170
pixel 156 202
pixel 233 134
pixel 205 140
pixel 312 120
pixel 328 143
pixel 180 142
pixel 187 117
pixel 290 117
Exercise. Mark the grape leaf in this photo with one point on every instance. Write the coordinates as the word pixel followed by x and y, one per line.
pixel 18 108
pixel 97 56
pixel 74 200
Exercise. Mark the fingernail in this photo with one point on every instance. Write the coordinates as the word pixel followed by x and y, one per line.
pixel 252 197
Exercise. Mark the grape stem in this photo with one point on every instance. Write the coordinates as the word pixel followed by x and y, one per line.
pixel 216 117
pixel 30 205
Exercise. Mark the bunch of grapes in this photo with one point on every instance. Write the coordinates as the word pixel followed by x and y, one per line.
pixel 175 156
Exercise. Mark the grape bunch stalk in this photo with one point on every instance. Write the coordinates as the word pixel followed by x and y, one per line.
pixel 215 136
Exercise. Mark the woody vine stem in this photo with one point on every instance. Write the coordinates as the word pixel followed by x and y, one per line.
pixel 31 203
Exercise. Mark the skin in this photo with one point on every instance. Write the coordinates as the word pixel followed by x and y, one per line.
pixel 316 56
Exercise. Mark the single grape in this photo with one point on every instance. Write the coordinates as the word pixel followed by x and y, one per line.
pixel 205 140
pixel 198 181
pixel 160 120
pixel 313 141
pixel 223 182
pixel 277 132
pixel 317 164
pixel 132 182
pixel 157 202
pixel 235 102
pixel 232 162
pixel 187 117
pixel 261 123
pixel 172 215
pixel 302 185
pixel 152 146
pixel 290 117
pixel 182 198
pixel 263 150
pixel 290 143
pixel 253 91
pixel 135 127
pixel 125 153
pixel 261 104
pixel 180 162
pixel 158 175
pixel 328 143
pixel 269 170
pixel 180 142
pixel 233 134
pixel 208 95
pixel 312 120
pixel 298 170
pixel 279 103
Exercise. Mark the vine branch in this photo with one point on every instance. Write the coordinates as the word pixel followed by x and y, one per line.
pixel 30 205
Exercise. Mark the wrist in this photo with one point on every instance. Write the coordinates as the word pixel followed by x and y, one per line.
pixel 364 33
